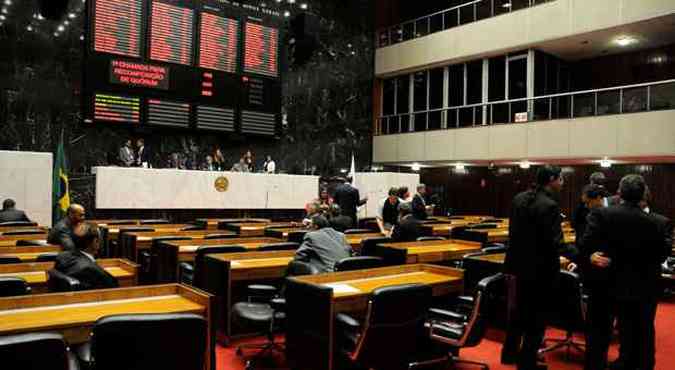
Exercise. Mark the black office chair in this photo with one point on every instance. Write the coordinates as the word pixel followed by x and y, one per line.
pixel 141 342
pixel 218 236
pixel 357 231
pixel 12 286
pixel 358 263
pixel 22 232
pixel 36 351
pixel 154 222
pixel 465 327
pixel 148 257
pixel 60 282
pixel 368 245
pixel 4 260
pixel 31 243
pixel 570 314
pixel 47 257
pixel 191 273
pixel 457 231
pixel 264 311
pixel 429 238
pixel 116 249
pixel 18 223
pixel 393 334
pixel 288 246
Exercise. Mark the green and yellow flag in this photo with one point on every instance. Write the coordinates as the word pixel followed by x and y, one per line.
pixel 60 191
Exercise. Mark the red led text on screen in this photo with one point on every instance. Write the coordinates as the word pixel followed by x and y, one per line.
pixel 139 74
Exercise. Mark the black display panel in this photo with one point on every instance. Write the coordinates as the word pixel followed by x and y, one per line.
pixel 171 33
pixel 218 47
pixel 166 113
pixel 117 27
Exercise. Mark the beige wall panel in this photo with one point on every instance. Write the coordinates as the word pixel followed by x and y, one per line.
pixel 644 9
pixel 472 143
pixel 650 133
pixel 594 15
pixel 593 136
pixel 548 139
pixel 411 147
pixel 385 148
pixel 440 145
pixel 508 141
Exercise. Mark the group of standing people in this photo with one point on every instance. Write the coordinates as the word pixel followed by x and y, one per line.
pixel 621 247
pixel 134 157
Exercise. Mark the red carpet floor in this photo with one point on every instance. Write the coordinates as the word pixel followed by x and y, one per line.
pixel 490 348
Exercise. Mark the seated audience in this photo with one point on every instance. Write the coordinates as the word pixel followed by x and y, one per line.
pixel 80 263
pixel 240 166
pixel 269 166
pixel 408 227
pixel 9 213
pixel 63 233
pixel 208 164
pixel 249 160
pixel 337 220
pixel 219 159
pixel 323 246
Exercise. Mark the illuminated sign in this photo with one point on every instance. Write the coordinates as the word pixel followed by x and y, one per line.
pixel 139 74
pixel 117 108
pixel 171 33
pixel 117 27
pixel 261 50
pixel 218 43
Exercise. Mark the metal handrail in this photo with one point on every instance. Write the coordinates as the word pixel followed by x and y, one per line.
pixel 431 15
pixel 550 96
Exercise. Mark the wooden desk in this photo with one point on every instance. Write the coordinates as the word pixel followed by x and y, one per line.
pixel 432 251
pixel 28 254
pixel 132 244
pixel 168 255
pixel 252 228
pixel 496 259
pixel 12 243
pixel 228 272
pixel 4 229
pixel 443 228
pixel 74 313
pixel 355 239
pixel 313 301
pixel 9 240
pixel 282 232
pixel 110 222
pixel 35 274
pixel 214 223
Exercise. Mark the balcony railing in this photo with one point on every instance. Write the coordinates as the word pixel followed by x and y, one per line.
pixel 643 97
pixel 449 18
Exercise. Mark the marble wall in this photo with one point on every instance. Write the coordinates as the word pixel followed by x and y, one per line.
pixel 26 177
pixel 327 100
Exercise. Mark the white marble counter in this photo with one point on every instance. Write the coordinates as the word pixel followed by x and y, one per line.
pixel 26 177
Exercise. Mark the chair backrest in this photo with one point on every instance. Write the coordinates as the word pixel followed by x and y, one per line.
pixel 457 231
pixel 31 243
pixel 154 222
pixel 11 286
pixel 204 250
pixel 299 268
pixel 483 226
pixel 296 236
pixel 22 232
pixel 218 236
pixel 429 238
pixel 368 245
pixel 358 263
pixel 60 282
pixel 47 257
pixel 394 327
pixel 9 259
pixel 357 231
pixel 18 223
pixel 44 351
pixel 288 246
pixel 141 342
pixel 570 312
pixel 486 293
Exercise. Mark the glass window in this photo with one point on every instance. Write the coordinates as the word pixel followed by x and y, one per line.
pixel 402 94
pixel 456 86
pixel 474 82
pixel 518 78
pixel 497 85
pixel 388 96
pixel 662 96
pixel 420 91
pixel 436 88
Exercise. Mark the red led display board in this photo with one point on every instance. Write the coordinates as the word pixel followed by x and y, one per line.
pixel 219 37
pixel 139 74
pixel 117 27
pixel 116 108
pixel 171 33
pixel 261 50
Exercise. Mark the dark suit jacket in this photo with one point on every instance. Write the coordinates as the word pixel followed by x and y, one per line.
pixel 62 234
pixel 637 244
pixel 79 266
pixel 323 248
pixel 419 207
pixel 341 223
pixel 407 230
pixel 348 198
pixel 535 237
pixel 10 215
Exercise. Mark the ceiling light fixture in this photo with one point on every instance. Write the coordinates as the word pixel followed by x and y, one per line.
pixel 605 163
pixel 506 5
pixel 624 41
pixel 416 167
pixel 525 165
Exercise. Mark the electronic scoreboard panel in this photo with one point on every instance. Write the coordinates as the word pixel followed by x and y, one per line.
pixel 191 64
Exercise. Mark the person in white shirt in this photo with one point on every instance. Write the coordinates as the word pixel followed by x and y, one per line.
pixel 269 166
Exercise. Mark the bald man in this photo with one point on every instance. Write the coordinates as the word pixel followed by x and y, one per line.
pixel 63 233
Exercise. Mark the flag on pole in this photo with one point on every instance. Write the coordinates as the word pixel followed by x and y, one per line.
pixel 60 189
pixel 352 171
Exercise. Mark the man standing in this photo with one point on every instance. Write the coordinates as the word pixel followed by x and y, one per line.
pixel 387 213
pixel 126 156
pixel 269 166
pixel 9 213
pixel 143 157
pixel 532 264
pixel 348 198
pixel 63 233
pixel 630 246
pixel 419 205
pixel 323 247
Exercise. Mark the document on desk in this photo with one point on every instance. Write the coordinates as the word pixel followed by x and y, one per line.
pixel 341 288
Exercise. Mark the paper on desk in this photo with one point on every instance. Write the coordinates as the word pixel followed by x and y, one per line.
pixel 342 288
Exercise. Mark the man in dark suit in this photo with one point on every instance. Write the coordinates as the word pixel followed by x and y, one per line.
pixel 533 265
pixel 63 233
pixel 143 155
pixel 419 205
pixel 323 247
pixel 80 263
pixel 9 213
pixel 337 220
pixel 408 227
pixel 629 245
pixel 349 199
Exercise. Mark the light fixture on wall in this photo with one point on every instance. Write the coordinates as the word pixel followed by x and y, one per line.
pixel 525 165
pixel 415 167
pixel 605 163
pixel 460 167
pixel 624 41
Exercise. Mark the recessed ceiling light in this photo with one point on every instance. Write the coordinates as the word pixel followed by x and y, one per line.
pixel 525 165
pixel 2 17
pixel 61 28
pixel 605 163
pixel 624 41
pixel 506 5
pixel 416 167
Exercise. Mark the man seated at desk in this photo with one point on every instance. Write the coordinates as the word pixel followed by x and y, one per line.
pixel 9 212
pixel 80 263
pixel 337 220
pixel 408 227
pixel 63 232
pixel 323 246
